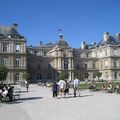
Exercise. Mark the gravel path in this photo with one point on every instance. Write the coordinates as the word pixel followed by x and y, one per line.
pixel 38 104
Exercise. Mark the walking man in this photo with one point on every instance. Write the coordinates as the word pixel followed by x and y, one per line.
pixel 76 87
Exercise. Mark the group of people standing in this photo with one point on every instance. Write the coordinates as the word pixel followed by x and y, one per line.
pixel 61 88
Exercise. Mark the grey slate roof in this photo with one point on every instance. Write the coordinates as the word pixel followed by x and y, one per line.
pixel 61 42
pixel 8 30
pixel 113 40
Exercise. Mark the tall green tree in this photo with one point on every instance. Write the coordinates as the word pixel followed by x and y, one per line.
pixel 97 74
pixel 3 72
pixel 26 76
pixel 79 76
pixel 63 75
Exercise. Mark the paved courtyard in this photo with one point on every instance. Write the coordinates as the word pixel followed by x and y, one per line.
pixel 38 104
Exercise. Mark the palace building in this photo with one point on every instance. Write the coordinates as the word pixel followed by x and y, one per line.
pixel 13 52
pixel 46 61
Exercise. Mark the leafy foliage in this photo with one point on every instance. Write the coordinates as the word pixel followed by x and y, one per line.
pixel 26 76
pixel 63 75
pixel 3 72
pixel 79 76
pixel 98 74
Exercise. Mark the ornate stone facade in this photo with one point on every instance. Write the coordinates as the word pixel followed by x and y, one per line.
pixel 46 61
pixel 13 53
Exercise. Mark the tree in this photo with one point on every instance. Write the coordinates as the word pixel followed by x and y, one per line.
pixel 63 75
pixel 98 74
pixel 26 76
pixel 3 72
pixel 79 76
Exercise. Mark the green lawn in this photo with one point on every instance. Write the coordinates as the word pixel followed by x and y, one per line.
pixel 99 85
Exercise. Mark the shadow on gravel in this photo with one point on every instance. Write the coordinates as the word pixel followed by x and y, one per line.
pixel 13 102
pixel 21 100
pixel 31 98
pixel 67 97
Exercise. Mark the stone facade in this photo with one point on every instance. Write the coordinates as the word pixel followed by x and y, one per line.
pixel 13 53
pixel 46 61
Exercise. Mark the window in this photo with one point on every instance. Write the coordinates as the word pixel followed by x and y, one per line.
pixel 77 66
pixel 115 75
pixel 39 76
pixel 49 66
pixel 101 53
pixel 87 55
pixel 17 62
pixel 93 65
pixel 17 76
pixel 44 53
pixel 28 66
pixel 85 65
pixel 49 76
pixel 4 61
pixel 115 63
pixel 39 66
pixel 17 47
pixel 106 63
pixel 65 64
pixel 4 47
pixel 86 75
pixel 115 51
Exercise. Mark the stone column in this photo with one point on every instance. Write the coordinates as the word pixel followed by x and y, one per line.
pixel 72 76
pixel 59 63
pixel 8 50
pixel 12 47
pixel 62 63
pixel 0 47
pixel 69 64
pixel 56 63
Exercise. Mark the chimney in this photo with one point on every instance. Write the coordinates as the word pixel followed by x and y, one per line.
pixel 106 36
pixel 15 25
pixel 118 34
pixel 40 43
pixel 83 45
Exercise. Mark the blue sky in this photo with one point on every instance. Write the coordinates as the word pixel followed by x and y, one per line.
pixel 80 20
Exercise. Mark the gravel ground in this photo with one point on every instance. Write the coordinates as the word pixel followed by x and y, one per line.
pixel 38 104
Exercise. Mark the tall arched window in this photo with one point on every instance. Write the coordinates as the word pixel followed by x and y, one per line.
pixel 39 77
pixel 49 76
pixel 17 76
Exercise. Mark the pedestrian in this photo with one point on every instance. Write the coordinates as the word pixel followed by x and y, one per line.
pixel 62 86
pixel 27 85
pixel 55 89
pixel 76 87
pixel 67 87
pixel 104 87
pixel 118 88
